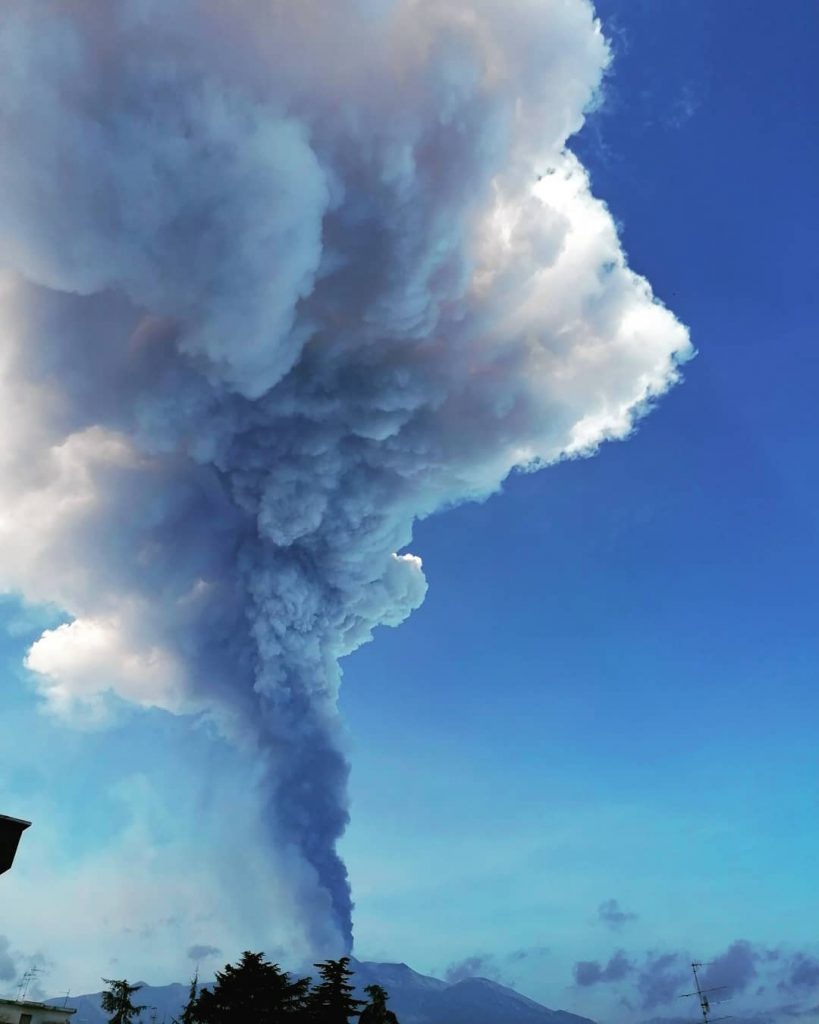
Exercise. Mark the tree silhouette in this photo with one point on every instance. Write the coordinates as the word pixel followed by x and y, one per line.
pixel 255 991
pixel 376 1012
pixel 332 1001
pixel 189 1012
pixel 116 1000
pixel 252 992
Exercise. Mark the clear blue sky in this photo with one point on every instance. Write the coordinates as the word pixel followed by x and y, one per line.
pixel 610 691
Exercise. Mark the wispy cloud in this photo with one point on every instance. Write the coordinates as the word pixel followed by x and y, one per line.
pixel 612 914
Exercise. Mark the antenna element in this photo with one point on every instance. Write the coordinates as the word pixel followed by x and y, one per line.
pixel 702 995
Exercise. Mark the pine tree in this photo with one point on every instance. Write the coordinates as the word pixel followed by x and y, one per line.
pixel 252 992
pixel 376 1012
pixel 116 1000
pixel 331 1001
pixel 189 1013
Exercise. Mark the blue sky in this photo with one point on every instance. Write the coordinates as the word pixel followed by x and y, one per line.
pixel 613 677
pixel 609 692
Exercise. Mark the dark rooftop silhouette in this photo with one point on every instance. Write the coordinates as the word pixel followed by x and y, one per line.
pixel 10 831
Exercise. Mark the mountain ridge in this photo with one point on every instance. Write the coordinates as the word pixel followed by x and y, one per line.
pixel 415 998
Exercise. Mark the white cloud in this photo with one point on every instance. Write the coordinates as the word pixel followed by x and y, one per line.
pixel 79 662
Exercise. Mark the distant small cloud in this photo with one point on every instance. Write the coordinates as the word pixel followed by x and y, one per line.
pixel 592 972
pixel 493 966
pixel 202 952
pixel 478 966
pixel 613 915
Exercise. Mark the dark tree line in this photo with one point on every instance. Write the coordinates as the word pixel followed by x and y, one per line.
pixel 254 991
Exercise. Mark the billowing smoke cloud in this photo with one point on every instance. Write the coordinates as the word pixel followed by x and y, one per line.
pixel 278 280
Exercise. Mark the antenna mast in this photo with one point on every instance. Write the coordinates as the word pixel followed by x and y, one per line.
pixel 25 981
pixel 702 995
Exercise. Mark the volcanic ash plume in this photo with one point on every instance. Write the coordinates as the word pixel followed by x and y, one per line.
pixel 278 279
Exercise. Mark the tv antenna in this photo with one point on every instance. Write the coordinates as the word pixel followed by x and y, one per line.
pixel 25 981
pixel 702 995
